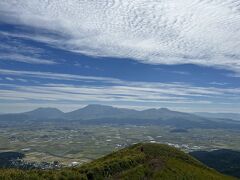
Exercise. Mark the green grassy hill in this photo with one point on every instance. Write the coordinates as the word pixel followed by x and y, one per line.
pixel 140 161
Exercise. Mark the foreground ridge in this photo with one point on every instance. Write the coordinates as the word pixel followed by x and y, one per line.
pixel 140 161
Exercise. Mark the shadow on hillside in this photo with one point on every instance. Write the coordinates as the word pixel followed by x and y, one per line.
pixel 223 160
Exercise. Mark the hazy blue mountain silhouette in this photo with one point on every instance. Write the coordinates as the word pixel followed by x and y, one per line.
pixel 102 114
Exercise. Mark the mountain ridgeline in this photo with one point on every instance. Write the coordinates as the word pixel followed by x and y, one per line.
pixel 234 116
pixel 140 161
pixel 100 114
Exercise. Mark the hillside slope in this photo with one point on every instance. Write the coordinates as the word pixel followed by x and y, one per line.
pixel 140 161
pixel 223 160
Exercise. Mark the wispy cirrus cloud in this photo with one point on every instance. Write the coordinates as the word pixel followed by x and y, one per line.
pixel 57 76
pixel 25 59
pixel 104 89
pixel 157 32
pixel 14 49
pixel 9 79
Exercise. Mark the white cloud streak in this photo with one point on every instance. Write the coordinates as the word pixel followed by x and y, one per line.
pixel 15 50
pixel 202 32
pixel 25 59
pixel 113 90
pixel 57 76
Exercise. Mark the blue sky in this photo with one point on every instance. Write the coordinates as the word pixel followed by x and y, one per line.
pixel 133 54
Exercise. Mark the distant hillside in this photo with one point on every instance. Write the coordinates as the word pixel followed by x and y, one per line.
pixel 234 116
pixel 95 111
pixel 101 111
pixel 100 114
pixel 224 160
pixel 141 161
pixel 37 114
pixel 45 113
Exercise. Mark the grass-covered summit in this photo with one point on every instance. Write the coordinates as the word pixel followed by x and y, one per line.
pixel 140 161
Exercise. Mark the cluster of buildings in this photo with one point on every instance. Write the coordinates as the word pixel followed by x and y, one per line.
pixel 21 164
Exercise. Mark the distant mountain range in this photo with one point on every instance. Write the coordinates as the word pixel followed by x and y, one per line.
pixel 234 116
pixel 101 114
pixel 48 113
